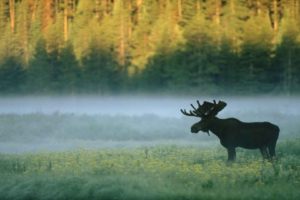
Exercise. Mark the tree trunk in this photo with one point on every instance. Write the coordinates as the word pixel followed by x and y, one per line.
pixel 258 7
pixel 217 20
pixel 232 8
pixel 198 7
pixel 138 9
pixel 97 9
pixel 218 12
pixel 122 30
pixel 47 11
pixel 25 32
pixel 12 15
pixel 33 9
pixel 297 8
pixel 275 17
pixel 122 42
pixel 235 33
pixel 129 25
pixel 66 31
pixel 179 9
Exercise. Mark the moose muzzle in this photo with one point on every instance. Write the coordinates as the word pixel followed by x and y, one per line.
pixel 195 128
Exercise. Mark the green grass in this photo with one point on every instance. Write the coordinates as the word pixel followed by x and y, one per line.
pixel 159 172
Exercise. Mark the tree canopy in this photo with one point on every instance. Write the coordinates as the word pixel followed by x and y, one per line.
pixel 177 46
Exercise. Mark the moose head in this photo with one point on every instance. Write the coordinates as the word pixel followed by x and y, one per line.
pixel 207 111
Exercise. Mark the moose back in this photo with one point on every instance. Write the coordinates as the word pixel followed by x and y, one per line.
pixel 233 132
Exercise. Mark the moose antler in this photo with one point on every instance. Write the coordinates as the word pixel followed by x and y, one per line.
pixel 197 112
pixel 190 113
pixel 206 109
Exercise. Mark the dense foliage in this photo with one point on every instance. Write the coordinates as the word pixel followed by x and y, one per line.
pixel 180 46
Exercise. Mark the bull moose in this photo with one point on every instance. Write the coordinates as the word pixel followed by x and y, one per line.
pixel 232 132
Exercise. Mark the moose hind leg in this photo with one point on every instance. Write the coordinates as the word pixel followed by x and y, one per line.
pixel 264 152
pixel 231 154
pixel 271 148
pixel 272 144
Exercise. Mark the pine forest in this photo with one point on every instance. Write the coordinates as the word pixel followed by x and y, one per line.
pixel 150 46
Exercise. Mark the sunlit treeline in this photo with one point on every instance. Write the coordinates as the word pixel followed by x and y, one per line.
pixel 236 46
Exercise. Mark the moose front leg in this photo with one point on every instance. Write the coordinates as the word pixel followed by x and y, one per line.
pixel 231 154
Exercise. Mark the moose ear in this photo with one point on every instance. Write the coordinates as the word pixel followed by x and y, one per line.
pixel 218 107
pixel 221 105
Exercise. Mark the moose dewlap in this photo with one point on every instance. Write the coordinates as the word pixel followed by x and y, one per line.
pixel 233 132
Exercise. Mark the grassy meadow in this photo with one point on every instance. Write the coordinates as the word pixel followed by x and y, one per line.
pixel 158 172
pixel 156 158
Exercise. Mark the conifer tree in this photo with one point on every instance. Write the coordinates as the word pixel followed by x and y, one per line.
pixel 12 75
pixel 39 72
pixel 101 71
pixel 70 72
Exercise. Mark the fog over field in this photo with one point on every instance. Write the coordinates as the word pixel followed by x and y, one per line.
pixel 141 105
pixel 29 124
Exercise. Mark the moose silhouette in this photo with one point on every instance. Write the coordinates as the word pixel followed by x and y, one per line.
pixel 233 132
